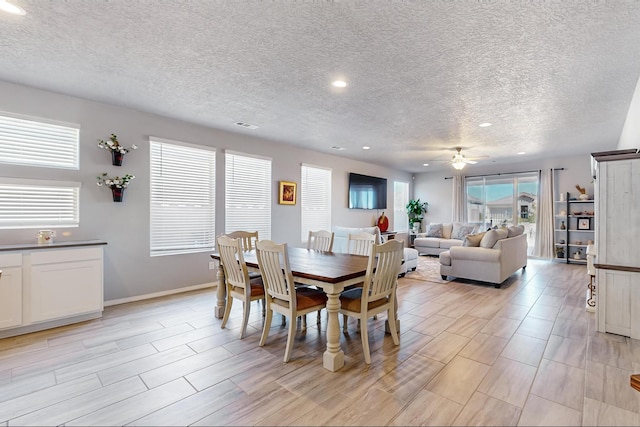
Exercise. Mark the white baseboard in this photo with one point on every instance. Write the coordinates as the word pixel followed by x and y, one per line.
pixel 160 294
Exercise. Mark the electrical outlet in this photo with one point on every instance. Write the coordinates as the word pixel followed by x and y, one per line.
pixel 212 265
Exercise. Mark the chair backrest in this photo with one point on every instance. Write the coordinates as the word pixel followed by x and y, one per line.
pixel 381 278
pixel 232 259
pixel 320 240
pixel 273 260
pixel 248 238
pixel 360 243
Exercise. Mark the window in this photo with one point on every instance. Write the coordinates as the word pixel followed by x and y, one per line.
pixel 182 197
pixel 28 203
pixel 315 199
pixel 248 194
pixel 400 200
pixel 25 141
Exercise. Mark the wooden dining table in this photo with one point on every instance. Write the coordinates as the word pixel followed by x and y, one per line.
pixel 329 271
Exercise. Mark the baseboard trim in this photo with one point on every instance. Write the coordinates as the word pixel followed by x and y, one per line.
pixel 159 294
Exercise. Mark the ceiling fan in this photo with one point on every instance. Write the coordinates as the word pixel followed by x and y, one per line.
pixel 459 160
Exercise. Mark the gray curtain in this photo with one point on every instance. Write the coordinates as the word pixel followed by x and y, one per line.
pixel 544 222
pixel 458 199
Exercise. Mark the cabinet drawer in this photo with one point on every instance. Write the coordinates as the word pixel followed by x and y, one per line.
pixel 65 255
pixel 10 260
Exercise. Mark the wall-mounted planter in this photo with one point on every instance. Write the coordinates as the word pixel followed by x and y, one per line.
pixel 117 150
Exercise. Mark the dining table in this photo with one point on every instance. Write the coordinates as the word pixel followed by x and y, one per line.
pixel 330 271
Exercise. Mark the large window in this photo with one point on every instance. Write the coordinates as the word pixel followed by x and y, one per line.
pixel 26 203
pixel 182 197
pixel 504 200
pixel 400 200
pixel 38 142
pixel 315 199
pixel 248 194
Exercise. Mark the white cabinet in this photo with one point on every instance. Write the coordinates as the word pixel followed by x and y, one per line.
pixel 10 290
pixel 44 287
pixel 617 230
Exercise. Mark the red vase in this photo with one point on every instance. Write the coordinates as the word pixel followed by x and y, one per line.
pixel 118 194
pixel 116 158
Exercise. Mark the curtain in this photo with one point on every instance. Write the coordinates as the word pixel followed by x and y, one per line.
pixel 458 199
pixel 544 222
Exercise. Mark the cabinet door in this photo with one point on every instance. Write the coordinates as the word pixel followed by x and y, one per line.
pixel 65 289
pixel 618 303
pixel 10 297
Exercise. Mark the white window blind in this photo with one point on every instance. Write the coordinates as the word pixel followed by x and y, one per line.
pixel 315 197
pixel 400 200
pixel 248 194
pixel 38 204
pixel 182 197
pixel 34 142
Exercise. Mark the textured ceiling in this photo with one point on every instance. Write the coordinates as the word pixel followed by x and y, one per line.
pixel 554 78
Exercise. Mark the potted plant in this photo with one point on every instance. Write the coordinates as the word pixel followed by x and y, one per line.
pixel 117 184
pixel 415 210
pixel 117 150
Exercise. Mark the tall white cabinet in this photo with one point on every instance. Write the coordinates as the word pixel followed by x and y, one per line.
pixel 617 261
pixel 44 286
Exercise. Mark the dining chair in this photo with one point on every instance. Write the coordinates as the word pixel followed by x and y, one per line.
pixel 236 277
pixel 248 239
pixel 378 292
pixel 281 293
pixel 360 243
pixel 320 240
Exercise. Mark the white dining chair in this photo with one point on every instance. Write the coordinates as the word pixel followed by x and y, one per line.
pixel 236 277
pixel 320 240
pixel 360 243
pixel 281 293
pixel 248 238
pixel 378 292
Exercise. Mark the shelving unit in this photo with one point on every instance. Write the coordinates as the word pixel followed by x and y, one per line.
pixel 577 217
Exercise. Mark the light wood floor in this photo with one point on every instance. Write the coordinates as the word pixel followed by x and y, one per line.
pixel 526 354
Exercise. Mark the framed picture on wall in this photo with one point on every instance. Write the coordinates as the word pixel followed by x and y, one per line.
pixel 584 223
pixel 287 193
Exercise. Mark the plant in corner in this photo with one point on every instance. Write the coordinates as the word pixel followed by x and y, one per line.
pixel 415 210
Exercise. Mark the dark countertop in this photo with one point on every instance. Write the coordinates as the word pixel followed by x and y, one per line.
pixel 55 245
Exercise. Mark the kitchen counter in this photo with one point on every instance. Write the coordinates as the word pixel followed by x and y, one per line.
pixel 67 244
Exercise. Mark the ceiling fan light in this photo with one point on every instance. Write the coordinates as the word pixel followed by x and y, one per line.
pixel 458 164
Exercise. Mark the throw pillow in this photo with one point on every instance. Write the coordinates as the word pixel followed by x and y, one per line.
pixel 515 230
pixel 461 230
pixel 491 237
pixel 473 240
pixel 434 230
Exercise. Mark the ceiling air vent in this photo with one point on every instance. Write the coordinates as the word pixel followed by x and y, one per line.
pixel 335 147
pixel 246 125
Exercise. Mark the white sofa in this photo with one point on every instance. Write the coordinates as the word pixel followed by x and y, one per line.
pixel 341 240
pixel 486 264
pixel 428 245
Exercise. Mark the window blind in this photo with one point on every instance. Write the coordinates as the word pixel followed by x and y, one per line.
pixel 400 200
pixel 38 204
pixel 182 197
pixel 315 198
pixel 27 141
pixel 248 194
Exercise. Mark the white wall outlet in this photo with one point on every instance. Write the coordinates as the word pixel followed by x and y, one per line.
pixel 212 265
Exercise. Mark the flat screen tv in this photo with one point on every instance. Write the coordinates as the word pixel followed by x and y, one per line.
pixel 367 192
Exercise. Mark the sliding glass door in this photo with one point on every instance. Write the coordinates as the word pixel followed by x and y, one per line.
pixel 504 200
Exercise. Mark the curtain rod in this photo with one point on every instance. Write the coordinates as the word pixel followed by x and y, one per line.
pixel 504 173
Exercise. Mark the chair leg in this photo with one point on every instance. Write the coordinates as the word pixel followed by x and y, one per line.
pixel 304 322
pixel 319 317
pixel 246 309
pixel 364 336
pixel 264 307
pixel 344 323
pixel 284 320
pixel 392 325
pixel 267 326
pixel 227 310
pixel 290 337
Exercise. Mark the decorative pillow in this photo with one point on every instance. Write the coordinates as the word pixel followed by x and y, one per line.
pixel 473 240
pixel 491 237
pixel 434 230
pixel 461 230
pixel 515 230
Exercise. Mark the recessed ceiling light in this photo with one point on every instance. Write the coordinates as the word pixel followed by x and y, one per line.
pixel 11 8
pixel 425 164
pixel 522 152
pixel 339 83
pixel 366 147
pixel 484 125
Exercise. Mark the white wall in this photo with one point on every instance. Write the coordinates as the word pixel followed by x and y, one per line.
pixel 435 189
pixel 630 136
pixel 129 270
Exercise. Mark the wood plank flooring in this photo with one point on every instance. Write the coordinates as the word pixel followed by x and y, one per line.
pixel 469 354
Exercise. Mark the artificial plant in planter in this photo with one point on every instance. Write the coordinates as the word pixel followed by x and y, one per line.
pixel 416 211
